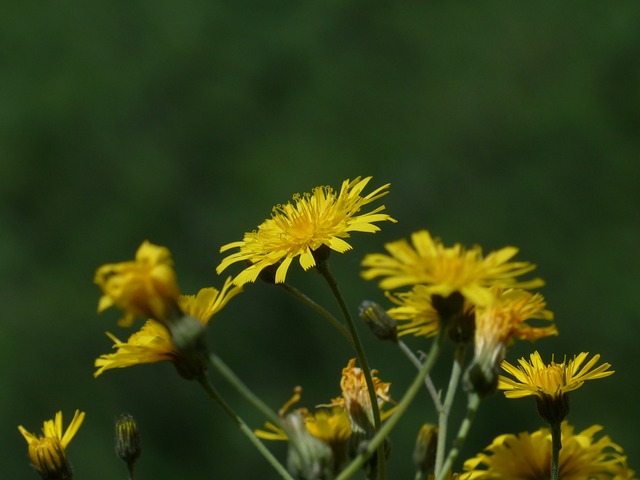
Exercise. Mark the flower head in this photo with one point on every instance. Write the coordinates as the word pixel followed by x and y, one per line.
pixel 537 379
pixel 330 427
pixel 323 218
pixel 355 397
pixel 550 384
pixel 47 452
pixel 146 286
pixel 447 270
pixel 415 312
pixel 424 453
pixel 153 342
pixel 527 456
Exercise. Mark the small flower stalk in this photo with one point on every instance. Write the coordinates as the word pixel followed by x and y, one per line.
pixel 47 452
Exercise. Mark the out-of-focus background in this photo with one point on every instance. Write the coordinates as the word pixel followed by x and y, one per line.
pixel 184 122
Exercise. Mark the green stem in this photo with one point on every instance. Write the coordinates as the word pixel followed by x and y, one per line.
pixel 443 413
pixel 236 383
pixel 244 428
pixel 130 470
pixel 556 445
pixel 435 396
pixel 400 409
pixel 323 268
pixel 319 309
pixel 473 403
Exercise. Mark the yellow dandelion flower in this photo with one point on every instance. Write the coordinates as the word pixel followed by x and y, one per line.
pixel 323 218
pixel 424 452
pixel 414 312
pixel 330 426
pixel 553 380
pixel 498 325
pixel 550 384
pixel 146 286
pixel 47 452
pixel 208 301
pixel 153 343
pixel 527 456
pixel 447 270
pixel 355 397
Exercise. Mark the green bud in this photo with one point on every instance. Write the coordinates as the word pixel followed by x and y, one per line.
pixel 127 440
pixel 378 320
pixel 424 454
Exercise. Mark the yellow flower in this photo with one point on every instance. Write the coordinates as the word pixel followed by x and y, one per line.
pixel 332 426
pixel 553 380
pixel 550 384
pixel 152 343
pixel 446 270
pixel 528 457
pixel 329 426
pixel 415 312
pixel 498 325
pixel 355 397
pixel 146 286
pixel 323 218
pixel 47 452
pixel 208 301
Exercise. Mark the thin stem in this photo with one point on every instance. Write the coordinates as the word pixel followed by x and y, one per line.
pixel 473 402
pixel 400 409
pixel 556 445
pixel 235 382
pixel 435 395
pixel 323 268
pixel 443 413
pixel 130 470
pixel 244 428
pixel 319 309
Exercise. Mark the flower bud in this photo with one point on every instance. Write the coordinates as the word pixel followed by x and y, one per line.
pixel 50 460
pixel 378 320
pixel 128 444
pixel 424 454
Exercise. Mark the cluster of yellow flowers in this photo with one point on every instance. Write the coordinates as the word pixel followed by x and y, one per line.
pixel 476 301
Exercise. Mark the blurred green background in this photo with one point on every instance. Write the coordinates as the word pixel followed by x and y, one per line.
pixel 184 122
